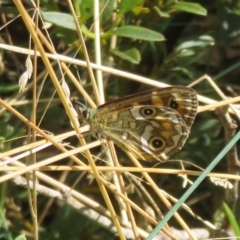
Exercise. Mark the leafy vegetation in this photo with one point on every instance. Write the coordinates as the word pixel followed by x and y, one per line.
pixel 171 42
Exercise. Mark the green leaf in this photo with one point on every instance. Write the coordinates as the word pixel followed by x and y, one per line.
pixel 210 124
pixel 21 237
pixel 9 88
pixel 137 33
pixel 132 55
pixel 186 53
pixel 161 13
pixel 182 70
pixel 126 5
pixel 50 5
pixel 232 219
pixel 86 9
pixel 140 10
pixel 201 41
pixel 106 9
pixel 6 130
pixel 65 22
pixel 194 8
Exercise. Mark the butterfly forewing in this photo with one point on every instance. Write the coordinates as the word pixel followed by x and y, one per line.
pixel 181 99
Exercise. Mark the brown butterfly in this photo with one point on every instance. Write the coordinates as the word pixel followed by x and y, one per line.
pixel 151 125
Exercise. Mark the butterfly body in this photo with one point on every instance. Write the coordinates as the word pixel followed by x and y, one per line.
pixel 152 125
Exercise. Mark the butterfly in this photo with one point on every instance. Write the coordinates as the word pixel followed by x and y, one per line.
pixel 152 125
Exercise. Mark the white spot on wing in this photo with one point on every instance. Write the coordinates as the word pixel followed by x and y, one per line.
pixel 136 114
pixel 176 139
pixel 174 118
pixel 124 135
pixel 155 124
pixel 163 156
pixel 145 137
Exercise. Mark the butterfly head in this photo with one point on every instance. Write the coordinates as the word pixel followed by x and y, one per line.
pixel 82 110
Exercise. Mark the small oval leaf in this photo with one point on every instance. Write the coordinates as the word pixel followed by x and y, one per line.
pixel 194 8
pixel 132 55
pixel 138 33
pixel 60 19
